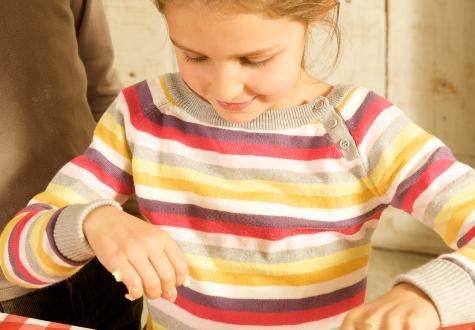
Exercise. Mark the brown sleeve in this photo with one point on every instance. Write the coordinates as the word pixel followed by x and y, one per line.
pixel 96 52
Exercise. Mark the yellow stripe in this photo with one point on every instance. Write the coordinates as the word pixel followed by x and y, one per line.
pixel 5 234
pixel 166 91
pixel 153 325
pixel 396 156
pixel 298 267
pixel 66 193
pixel 304 201
pixel 48 265
pixel 454 213
pixel 49 198
pixel 468 252
pixel 186 174
pixel 319 276
pixel 114 139
pixel 345 100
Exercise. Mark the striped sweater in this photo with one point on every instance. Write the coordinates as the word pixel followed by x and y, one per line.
pixel 275 216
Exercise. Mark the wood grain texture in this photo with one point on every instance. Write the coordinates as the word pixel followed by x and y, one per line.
pixel 432 68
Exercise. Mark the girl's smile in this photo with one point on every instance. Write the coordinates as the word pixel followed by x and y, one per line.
pixel 236 106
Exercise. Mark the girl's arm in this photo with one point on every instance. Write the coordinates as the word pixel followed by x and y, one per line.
pixel 46 242
pixel 414 171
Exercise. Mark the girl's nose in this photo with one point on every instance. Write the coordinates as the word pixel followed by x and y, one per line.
pixel 228 84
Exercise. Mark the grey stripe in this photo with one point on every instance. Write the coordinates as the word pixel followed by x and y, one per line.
pixel 342 177
pixel 77 186
pixel 441 198
pixel 374 155
pixel 260 257
pixel 165 320
pixel 440 153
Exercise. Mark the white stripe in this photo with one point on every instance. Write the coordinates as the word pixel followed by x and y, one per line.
pixel 52 254
pixel 353 103
pixel 195 322
pixel 254 207
pixel 92 182
pixel 247 161
pixel 276 292
pixel 111 154
pixel 379 128
pixel 23 244
pixel 441 183
pixel 261 245
pixel 413 165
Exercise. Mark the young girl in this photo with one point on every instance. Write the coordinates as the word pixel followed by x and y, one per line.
pixel 259 183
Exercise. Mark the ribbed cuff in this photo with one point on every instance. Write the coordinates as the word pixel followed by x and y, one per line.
pixel 68 232
pixel 449 287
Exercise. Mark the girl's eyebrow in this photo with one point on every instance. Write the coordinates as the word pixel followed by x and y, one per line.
pixel 250 54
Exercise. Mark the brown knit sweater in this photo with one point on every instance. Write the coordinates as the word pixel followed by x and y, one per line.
pixel 56 79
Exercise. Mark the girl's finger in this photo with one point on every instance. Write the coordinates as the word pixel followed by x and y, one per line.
pixel 149 277
pixel 166 273
pixel 178 262
pixel 130 278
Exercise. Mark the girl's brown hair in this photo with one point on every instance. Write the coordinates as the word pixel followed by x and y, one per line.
pixel 305 11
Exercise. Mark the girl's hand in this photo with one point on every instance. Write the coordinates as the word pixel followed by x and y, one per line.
pixel 143 256
pixel 404 307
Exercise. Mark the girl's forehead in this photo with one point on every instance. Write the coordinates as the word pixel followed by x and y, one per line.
pixel 196 28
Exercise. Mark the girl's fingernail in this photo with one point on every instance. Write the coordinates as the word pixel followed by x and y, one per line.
pixel 117 275
pixel 129 297
pixel 172 295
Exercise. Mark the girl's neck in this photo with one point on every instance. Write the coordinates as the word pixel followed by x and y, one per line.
pixel 306 90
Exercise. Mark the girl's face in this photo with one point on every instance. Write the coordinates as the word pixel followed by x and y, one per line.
pixel 241 64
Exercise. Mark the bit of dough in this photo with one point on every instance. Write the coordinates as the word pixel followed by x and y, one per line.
pixel 129 297
pixel 117 275
pixel 186 283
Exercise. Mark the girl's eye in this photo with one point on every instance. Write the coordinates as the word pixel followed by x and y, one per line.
pixel 248 62
pixel 194 59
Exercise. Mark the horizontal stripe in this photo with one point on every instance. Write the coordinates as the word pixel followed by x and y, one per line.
pixel 268 246
pixel 253 256
pixel 276 292
pixel 309 278
pixel 152 162
pixel 293 267
pixel 271 305
pixel 269 318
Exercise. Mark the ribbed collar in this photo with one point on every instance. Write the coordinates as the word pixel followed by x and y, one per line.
pixel 275 119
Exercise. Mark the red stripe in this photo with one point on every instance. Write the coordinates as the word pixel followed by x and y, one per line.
pixel 221 227
pixel 271 318
pixel 370 115
pixel 466 238
pixel 432 172
pixel 225 147
pixel 102 175
pixel 13 246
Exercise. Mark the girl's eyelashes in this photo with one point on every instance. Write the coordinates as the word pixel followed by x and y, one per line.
pixel 246 61
pixel 243 61
pixel 194 59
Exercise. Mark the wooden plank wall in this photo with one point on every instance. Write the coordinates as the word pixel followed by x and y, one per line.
pixel 418 53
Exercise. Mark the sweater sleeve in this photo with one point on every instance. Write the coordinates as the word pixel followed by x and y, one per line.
pixel 414 171
pixel 97 55
pixel 44 242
